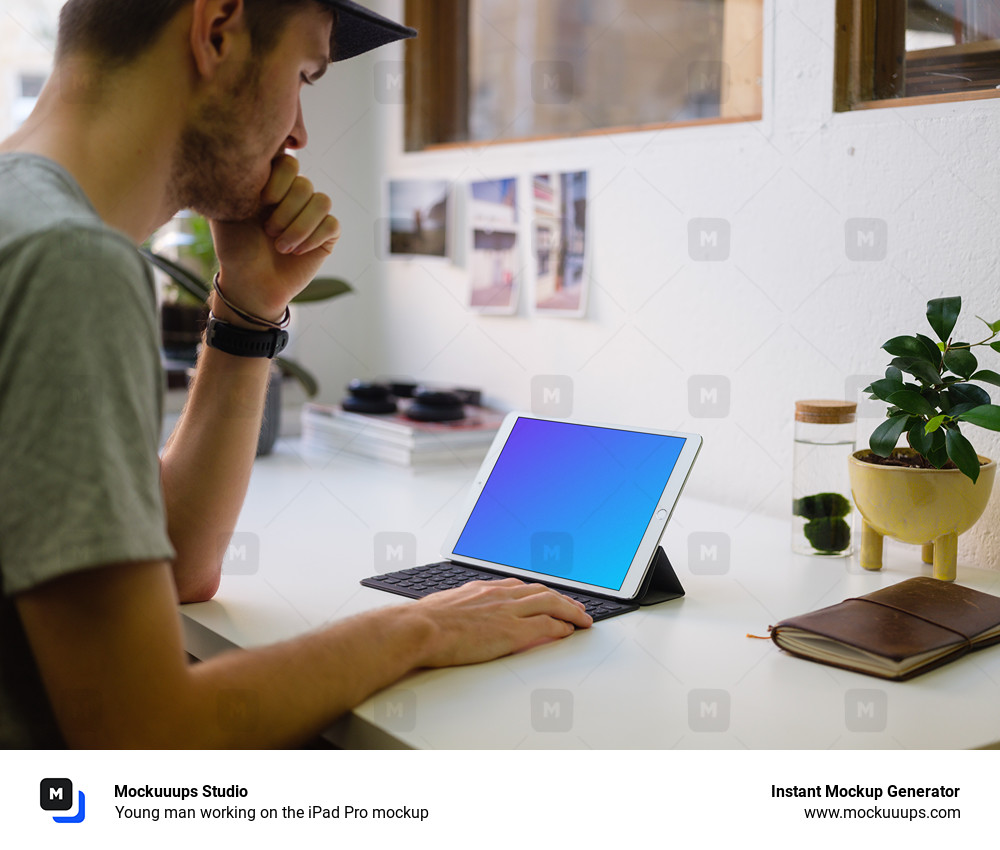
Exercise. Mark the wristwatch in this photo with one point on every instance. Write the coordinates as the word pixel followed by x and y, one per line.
pixel 243 342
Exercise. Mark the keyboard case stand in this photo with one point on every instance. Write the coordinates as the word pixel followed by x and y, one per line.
pixel 661 583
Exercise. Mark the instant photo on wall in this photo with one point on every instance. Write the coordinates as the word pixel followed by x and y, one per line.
pixel 559 243
pixel 419 219
pixel 495 260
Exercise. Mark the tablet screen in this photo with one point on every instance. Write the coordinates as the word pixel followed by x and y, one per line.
pixel 570 501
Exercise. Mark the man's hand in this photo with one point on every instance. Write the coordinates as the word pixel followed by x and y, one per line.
pixel 268 260
pixel 487 619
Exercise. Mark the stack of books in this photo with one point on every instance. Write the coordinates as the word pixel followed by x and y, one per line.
pixel 329 429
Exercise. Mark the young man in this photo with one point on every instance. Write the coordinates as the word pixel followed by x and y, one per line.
pixel 153 107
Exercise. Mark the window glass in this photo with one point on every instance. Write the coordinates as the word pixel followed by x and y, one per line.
pixel 919 49
pixel 951 46
pixel 538 68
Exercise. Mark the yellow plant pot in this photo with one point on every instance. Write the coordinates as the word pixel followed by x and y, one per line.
pixel 930 507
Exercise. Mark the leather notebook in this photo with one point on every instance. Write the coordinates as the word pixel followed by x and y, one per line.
pixel 897 632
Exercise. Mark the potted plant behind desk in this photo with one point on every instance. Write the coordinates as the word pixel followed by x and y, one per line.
pixel 936 488
pixel 198 288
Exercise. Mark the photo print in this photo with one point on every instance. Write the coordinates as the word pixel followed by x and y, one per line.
pixel 560 243
pixel 418 218
pixel 495 267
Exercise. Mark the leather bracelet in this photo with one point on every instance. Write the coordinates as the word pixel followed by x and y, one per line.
pixel 242 342
pixel 249 317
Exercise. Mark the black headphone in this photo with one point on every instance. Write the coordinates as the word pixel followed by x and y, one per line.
pixel 435 406
pixel 427 405
pixel 368 397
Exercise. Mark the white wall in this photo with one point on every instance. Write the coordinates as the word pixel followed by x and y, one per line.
pixel 787 316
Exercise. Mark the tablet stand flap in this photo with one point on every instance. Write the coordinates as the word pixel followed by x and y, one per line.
pixel 661 582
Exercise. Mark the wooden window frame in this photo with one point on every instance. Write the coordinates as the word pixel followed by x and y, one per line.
pixel 871 58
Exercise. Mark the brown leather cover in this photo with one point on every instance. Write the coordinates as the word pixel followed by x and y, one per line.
pixel 904 620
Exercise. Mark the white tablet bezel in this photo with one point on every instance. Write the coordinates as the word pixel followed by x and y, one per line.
pixel 636 573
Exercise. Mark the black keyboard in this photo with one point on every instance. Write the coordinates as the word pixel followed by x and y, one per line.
pixel 417 582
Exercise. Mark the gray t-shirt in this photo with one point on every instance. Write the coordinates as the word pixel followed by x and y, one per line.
pixel 81 393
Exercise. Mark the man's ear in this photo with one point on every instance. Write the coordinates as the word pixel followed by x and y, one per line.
pixel 216 27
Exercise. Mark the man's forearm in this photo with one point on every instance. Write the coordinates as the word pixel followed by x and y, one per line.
pixel 147 696
pixel 206 465
pixel 286 693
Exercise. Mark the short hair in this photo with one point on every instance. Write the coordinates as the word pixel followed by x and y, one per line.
pixel 116 32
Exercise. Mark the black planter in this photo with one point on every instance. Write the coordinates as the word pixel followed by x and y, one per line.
pixel 271 425
pixel 181 328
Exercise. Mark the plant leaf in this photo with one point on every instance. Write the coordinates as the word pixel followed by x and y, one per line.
pixel 893 374
pixel 885 387
pixel 987 376
pixel 293 370
pixel 884 438
pixel 942 313
pixel 985 416
pixel 322 288
pixel 920 441
pixel 187 281
pixel 910 346
pixel 919 368
pixel 964 407
pixel 934 424
pixel 993 326
pixel 961 361
pixel 912 402
pixel 960 450
pixel 964 394
pixel 931 347
pixel 938 455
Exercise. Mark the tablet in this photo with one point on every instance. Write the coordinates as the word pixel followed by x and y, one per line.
pixel 575 504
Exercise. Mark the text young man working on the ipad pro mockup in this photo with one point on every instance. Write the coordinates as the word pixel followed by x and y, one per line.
pixel 153 107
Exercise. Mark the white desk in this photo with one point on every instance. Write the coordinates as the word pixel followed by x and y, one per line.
pixel 679 674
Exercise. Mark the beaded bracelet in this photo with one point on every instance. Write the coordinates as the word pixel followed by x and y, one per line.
pixel 249 317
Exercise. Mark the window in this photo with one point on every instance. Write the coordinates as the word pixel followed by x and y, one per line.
pixel 499 70
pixel 897 52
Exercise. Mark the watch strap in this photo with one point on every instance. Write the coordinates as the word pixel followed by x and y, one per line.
pixel 243 342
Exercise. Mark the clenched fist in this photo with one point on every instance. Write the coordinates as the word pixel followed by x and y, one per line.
pixel 267 260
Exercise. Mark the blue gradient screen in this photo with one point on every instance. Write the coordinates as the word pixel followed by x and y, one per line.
pixel 570 501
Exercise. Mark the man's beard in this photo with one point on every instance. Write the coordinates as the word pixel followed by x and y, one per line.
pixel 210 173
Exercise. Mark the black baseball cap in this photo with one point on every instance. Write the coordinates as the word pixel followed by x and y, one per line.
pixel 357 30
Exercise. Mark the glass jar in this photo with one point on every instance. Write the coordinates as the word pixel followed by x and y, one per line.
pixel 821 491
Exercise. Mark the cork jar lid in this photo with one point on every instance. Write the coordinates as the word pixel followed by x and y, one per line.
pixel 825 411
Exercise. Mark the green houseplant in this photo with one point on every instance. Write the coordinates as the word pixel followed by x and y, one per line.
pixel 940 394
pixel 938 487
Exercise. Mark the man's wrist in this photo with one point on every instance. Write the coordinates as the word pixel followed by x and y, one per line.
pixel 221 311
pixel 418 633
pixel 234 310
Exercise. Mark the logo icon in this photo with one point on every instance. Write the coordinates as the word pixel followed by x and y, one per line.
pixel 708 710
pixel 866 710
pixel 56 795
pixel 552 395
pixel 709 553
pixel 551 710
pixel 709 239
pixel 709 396
pixel 866 239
